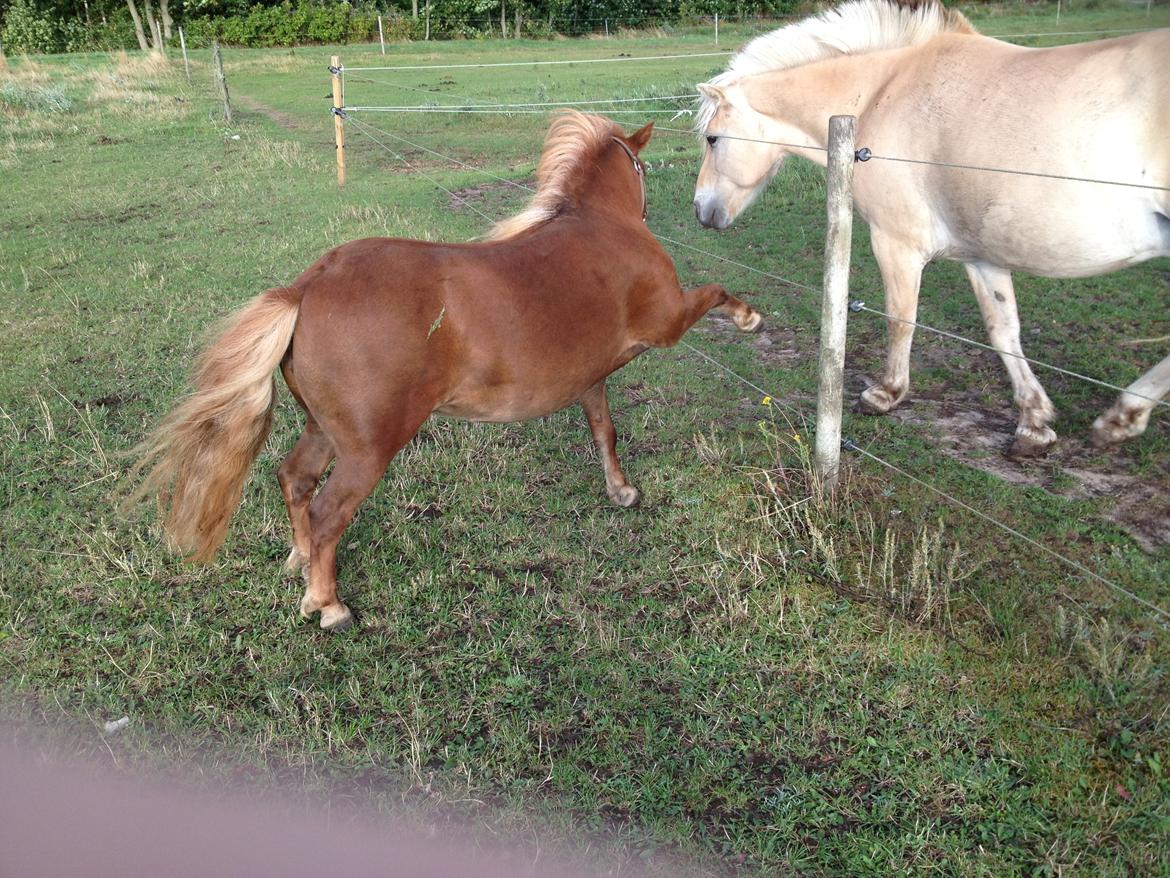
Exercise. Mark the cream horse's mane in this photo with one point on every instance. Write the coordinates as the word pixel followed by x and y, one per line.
pixel 852 28
pixel 573 140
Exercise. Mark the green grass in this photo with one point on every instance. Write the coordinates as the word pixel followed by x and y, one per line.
pixel 685 688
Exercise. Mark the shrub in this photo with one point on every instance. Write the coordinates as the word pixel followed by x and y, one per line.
pixel 28 29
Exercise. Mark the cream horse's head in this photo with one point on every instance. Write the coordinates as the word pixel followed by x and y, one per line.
pixel 737 161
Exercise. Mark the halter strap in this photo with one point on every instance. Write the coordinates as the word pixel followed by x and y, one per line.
pixel 637 168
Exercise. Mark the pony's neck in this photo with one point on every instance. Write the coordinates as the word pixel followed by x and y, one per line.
pixel 796 103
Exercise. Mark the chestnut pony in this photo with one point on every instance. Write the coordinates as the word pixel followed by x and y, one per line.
pixel 380 333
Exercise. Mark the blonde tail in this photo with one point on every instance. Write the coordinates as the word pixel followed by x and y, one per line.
pixel 200 454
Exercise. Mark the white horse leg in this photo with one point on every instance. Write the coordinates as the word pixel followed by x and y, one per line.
pixel 901 269
pixel 1130 414
pixel 997 300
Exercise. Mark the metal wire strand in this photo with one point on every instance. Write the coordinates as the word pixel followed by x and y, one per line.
pixel 1076 565
pixel 475 105
pixel 990 170
pixel 547 63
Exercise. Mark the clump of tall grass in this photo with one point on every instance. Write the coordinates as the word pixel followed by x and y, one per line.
pixel 34 97
pixel 849 538
pixel 1113 657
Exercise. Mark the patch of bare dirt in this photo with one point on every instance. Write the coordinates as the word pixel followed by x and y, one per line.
pixel 481 193
pixel 967 429
pixel 284 120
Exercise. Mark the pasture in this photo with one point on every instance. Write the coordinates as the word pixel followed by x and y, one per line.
pixel 741 676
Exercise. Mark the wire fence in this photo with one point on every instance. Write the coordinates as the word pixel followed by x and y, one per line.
pixel 612 105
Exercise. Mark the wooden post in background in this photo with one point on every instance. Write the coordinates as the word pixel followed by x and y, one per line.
pixel 186 63
pixel 217 64
pixel 338 121
pixel 717 28
pixel 381 38
pixel 835 306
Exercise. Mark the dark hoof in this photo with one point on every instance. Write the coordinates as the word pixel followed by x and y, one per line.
pixel 1028 449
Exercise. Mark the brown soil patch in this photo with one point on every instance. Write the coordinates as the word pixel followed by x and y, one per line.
pixel 484 193
pixel 966 429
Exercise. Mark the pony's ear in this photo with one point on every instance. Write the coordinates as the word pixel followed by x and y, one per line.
pixel 641 137
pixel 711 92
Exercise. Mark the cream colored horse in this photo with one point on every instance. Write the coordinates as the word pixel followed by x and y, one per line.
pixel 923 84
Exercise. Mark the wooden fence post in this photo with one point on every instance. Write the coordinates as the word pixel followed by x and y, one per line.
pixel 338 119
pixel 834 307
pixel 186 63
pixel 217 61
pixel 381 38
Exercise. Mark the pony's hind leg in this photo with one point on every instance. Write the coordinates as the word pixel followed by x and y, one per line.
pixel 363 453
pixel 1129 416
pixel 298 476
pixel 596 407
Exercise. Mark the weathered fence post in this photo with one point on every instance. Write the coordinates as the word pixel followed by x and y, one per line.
pixel 381 38
pixel 428 33
pixel 186 63
pixel 338 119
pixel 217 62
pixel 834 307
pixel 717 28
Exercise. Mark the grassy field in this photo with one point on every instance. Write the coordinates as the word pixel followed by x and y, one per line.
pixel 739 677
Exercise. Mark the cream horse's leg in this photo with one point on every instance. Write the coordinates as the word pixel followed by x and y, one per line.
pixel 1130 414
pixel 901 268
pixel 997 300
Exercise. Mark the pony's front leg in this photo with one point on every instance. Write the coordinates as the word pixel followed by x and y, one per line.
pixel 697 302
pixel 596 407
pixel 901 269
pixel 997 301
pixel 1129 416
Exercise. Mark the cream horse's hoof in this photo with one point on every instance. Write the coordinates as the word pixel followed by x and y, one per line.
pixel 1117 425
pixel 876 400
pixel 1032 442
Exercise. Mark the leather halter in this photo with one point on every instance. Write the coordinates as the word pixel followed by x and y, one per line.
pixel 638 168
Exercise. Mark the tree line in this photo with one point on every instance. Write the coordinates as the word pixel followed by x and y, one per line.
pixel 79 25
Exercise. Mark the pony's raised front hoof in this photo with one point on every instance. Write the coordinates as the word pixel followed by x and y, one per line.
pixel 1115 426
pixel 1032 443
pixel 876 400
pixel 751 323
pixel 626 496
pixel 336 618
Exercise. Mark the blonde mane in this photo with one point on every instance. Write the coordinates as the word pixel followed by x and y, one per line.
pixel 573 140
pixel 853 28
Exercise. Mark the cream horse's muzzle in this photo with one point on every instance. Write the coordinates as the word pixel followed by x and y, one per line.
pixel 710 212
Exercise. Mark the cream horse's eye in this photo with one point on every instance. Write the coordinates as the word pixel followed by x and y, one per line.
pixel 711 138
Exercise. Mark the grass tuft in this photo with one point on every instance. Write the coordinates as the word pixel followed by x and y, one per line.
pixel 34 98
